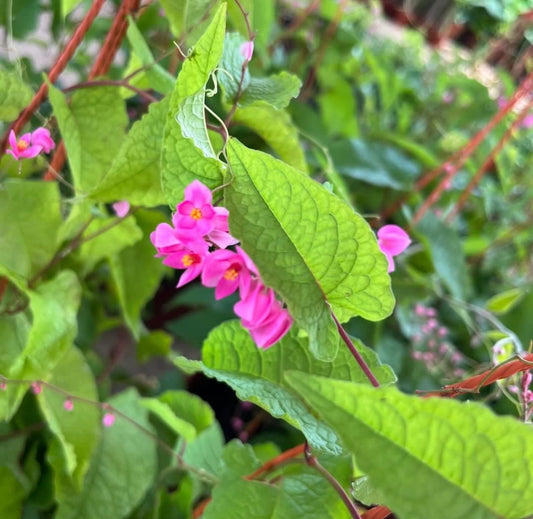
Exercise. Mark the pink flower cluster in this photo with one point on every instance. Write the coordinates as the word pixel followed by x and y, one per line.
pixel 525 394
pixel 30 144
pixel 197 243
pixel 392 240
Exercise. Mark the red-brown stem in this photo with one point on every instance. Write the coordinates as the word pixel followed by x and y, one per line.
pixel 55 71
pixel 489 161
pixel 459 157
pixel 101 66
pixel 111 82
pixel 359 359
pixel 271 465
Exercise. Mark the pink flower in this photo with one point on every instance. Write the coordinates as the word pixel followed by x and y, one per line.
pixel 262 314
pixel 68 405
pixel 108 419
pixel 392 240
pixel 528 121
pixel 3 385
pixel 195 215
pixel 22 148
pixel 501 102
pixel 41 137
pixel 165 239
pixel 121 208
pixel 227 270
pixel 190 260
pixel 220 235
pixel 247 51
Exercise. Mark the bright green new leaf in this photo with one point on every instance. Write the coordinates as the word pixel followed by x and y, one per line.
pixel 505 301
pixel 93 127
pixel 135 174
pixel 112 240
pixel 67 6
pixel 14 95
pixel 122 469
pixel 186 16
pixel 31 216
pixel 375 163
pixel 54 306
pixel 186 414
pixel 135 272
pixel 154 75
pixel 447 254
pixel 431 458
pixel 263 22
pixel 230 355
pixel 78 431
pixel 309 246
pixel 187 153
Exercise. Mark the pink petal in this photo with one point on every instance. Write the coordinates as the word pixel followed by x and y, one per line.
pixel 190 274
pixel 108 420
pixel 268 334
pixel 198 193
pixel 391 267
pixel 221 239
pixel 247 50
pixel 13 153
pixel 221 219
pixel 41 137
pixel 215 265
pixel 12 140
pixel 250 265
pixel 256 308
pixel 121 208
pixel 393 240
pixel 165 237
pixel 183 209
pixel 204 226
pixel 226 287
pixel 31 152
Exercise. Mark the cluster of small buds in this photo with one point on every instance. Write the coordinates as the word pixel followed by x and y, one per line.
pixel 30 145
pixel 198 242
pixel 432 346
pixel 525 394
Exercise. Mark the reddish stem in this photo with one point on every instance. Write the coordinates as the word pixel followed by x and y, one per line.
pixel 55 71
pixel 270 465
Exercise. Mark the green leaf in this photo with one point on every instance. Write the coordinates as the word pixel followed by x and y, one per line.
pixel 230 355
pixel 230 69
pixel 112 240
pixel 185 15
pixel 31 216
pixel 237 18
pixel 187 153
pixel 330 255
pixel 11 494
pixel 14 331
pixel 276 90
pixel 276 128
pixel 121 472
pixel 156 77
pixel 447 254
pixel 135 272
pixel 375 163
pixel 263 22
pixel 505 301
pixel 54 306
pixel 14 95
pixel 339 110
pixel 67 6
pixel 135 174
pixel 186 414
pixel 93 127
pixel 78 431
pixel 206 450
pixel 433 457
pixel 156 343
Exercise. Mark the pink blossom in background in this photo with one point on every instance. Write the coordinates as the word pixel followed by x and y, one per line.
pixel 528 121
pixel 37 388
pixel 448 97
pixel 392 240
pixel 22 148
pixel 226 271
pixel 195 214
pixel 501 102
pixel 41 137
pixel 247 51
pixel 68 405
pixel 189 260
pixel 3 385
pixel 108 419
pixel 121 208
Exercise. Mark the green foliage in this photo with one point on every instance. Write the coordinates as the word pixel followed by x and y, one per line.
pixel 331 257
pixel 187 152
pixel 91 138
pixel 230 355
pixel 185 15
pixel 123 449
pixel 14 95
pixel 453 472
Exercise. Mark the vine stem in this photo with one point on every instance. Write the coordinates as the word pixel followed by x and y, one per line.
pixel 312 461
pixel 55 71
pixel 362 364
pixel 202 474
pixel 110 82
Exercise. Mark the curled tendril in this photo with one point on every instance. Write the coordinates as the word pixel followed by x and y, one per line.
pixel 183 55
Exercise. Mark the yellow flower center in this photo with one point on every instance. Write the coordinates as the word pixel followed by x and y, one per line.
pixel 22 145
pixel 189 259
pixel 231 274
pixel 196 214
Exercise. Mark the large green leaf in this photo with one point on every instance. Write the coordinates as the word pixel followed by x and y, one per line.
pixel 54 306
pixel 447 253
pixel 78 431
pixel 14 95
pixel 375 163
pixel 11 494
pixel 31 216
pixel 187 153
pixel 121 472
pixel 308 245
pixel 230 355
pixel 93 127
pixel 185 15
pixel 135 272
pixel 431 458
pixel 135 174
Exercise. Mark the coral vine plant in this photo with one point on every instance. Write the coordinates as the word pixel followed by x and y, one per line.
pixel 246 275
